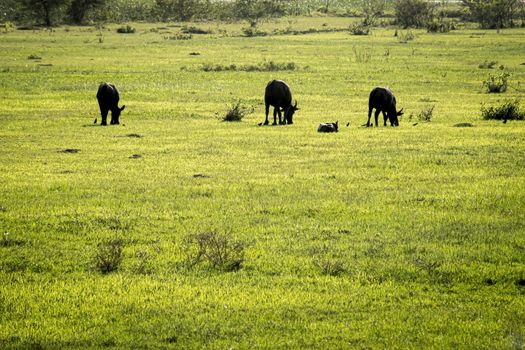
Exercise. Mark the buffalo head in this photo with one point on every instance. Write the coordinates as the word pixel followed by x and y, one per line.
pixel 115 114
pixel 289 112
pixel 394 115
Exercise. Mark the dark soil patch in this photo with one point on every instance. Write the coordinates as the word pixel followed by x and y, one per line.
pixel 194 54
pixel 463 125
pixel 134 135
pixel 135 156
pixel 70 150
pixel 201 176
pixel 521 282
pixel 66 172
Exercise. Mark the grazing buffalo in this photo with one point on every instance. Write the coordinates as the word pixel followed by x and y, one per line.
pixel 108 97
pixel 328 127
pixel 383 100
pixel 279 95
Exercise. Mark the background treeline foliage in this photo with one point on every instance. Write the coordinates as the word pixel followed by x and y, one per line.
pixel 407 13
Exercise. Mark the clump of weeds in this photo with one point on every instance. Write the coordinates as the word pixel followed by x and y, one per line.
pixel 497 83
pixel 219 251
pixel 424 115
pixel 108 255
pixel 330 266
pixel 237 112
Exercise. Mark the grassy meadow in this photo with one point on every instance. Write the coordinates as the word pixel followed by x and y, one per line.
pixel 410 237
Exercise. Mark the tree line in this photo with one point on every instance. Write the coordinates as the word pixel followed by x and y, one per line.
pixel 406 13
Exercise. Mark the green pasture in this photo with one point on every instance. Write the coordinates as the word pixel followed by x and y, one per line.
pixel 408 237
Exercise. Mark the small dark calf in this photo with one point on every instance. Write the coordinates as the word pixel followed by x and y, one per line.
pixel 108 97
pixel 384 101
pixel 279 95
pixel 328 127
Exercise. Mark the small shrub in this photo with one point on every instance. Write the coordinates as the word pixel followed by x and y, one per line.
pixel 127 29
pixel 330 267
pixel 360 29
pixel 463 125
pixel 9 26
pixel 195 30
pixel 179 37
pixel 267 66
pixel 109 255
pixel 424 116
pixel 439 26
pixel 219 251
pixel 362 56
pixel 508 110
pixel 144 262
pixel 413 13
pixel 253 31
pixel 497 83
pixel 487 64
pixel 406 37
pixel 270 66
pixel 237 112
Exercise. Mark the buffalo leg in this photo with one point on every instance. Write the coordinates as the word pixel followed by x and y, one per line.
pixel 280 116
pixel 104 114
pixel 369 115
pixel 275 109
pixel 376 117
pixel 267 111
pixel 114 119
pixel 385 118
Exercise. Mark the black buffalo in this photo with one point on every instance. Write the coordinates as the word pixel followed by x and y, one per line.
pixel 328 127
pixel 383 100
pixel 108 97
pixel 279 95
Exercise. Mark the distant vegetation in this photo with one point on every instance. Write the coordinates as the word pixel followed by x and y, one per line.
pixel 405 13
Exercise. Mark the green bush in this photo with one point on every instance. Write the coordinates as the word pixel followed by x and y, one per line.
pixel 237 112
pixel 497 83
pixel 195 30
pixel 440 26
pixel 330 267
pixel 424 115
pixel 126 30
pixel 493 14
pixel 405 37
pixel 413 13
pixel 360 29
pixel 267 66
pixel 508 110
pixel 108 255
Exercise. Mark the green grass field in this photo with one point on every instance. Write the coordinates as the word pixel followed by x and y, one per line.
pixel 408 237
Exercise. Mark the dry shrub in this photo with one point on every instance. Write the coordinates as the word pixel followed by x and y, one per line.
pixel 237 112
pixel 108 255
pixel 219 251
